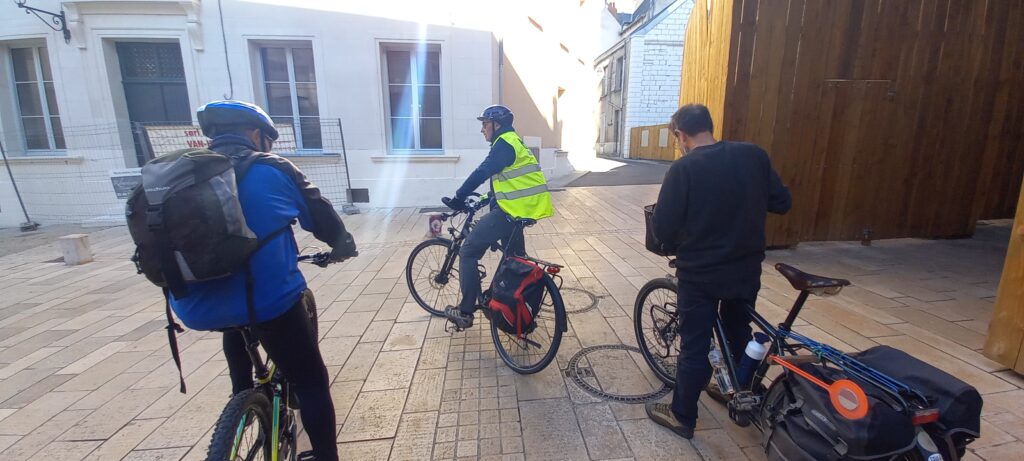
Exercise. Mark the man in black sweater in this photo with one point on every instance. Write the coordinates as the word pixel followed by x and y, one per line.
pixel 712 207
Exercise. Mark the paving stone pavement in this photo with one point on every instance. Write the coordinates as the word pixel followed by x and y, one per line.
pixel 85 371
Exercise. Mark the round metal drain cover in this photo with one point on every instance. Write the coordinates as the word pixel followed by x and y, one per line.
pixel 607 371
pixel 577 300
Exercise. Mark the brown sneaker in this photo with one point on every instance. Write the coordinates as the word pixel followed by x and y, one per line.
pixel 661 413
pixel 716 393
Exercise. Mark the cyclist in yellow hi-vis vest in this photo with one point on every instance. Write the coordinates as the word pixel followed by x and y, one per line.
pixel 518 190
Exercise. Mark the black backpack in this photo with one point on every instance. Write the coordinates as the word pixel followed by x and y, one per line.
pixel 515 296
pixel 187 224
pixel 186 220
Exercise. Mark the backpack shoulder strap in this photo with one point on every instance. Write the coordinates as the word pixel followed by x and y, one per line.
pixel 172 329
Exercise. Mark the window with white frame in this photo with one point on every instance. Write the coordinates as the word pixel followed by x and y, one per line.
pixel 289 86
pixel 37 101
pixel 413 80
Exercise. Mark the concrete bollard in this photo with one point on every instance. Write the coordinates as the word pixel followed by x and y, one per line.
pixel 75 248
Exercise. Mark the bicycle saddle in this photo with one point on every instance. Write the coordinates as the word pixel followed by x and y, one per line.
pixel 803 281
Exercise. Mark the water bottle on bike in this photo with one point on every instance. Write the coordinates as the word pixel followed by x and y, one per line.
pixel 721 371
pixel 755 352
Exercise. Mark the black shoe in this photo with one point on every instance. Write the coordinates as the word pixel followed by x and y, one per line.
pixel 460 319
pixel 305 456
pixel 661 413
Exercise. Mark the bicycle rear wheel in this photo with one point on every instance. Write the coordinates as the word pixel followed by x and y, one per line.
pixel 430 285
pixel 534 351
pixel 244 430
pixel 657 325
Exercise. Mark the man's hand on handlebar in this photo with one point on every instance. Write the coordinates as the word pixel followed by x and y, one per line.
pixel 456 203
pixel 344 249
pixel 465 203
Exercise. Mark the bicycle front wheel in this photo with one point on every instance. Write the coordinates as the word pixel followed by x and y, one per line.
pixel 656 322
pixel 532 352
pixel 433 276
pixel 244 429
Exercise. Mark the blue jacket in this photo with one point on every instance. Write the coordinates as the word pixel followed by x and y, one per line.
pixel 273 194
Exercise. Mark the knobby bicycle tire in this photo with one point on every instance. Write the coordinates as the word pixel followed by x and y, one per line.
pixel 558 308
pixel 226 431
pixel 432 305
pixel 640 312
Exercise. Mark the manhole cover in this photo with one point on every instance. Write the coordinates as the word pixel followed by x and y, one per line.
pixel 612 372
pixel 578 300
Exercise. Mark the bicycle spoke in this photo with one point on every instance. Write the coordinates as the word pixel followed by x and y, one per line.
pixel 659 326
pixel 250 447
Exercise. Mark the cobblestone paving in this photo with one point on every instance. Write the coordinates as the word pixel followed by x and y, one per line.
pixel 85 372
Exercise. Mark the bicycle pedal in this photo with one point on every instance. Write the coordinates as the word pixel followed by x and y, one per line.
pixel 451 328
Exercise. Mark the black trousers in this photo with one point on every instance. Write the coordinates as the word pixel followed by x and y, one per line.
pixel 289 341
pixel 698 309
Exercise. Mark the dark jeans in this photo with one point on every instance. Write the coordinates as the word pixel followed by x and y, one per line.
pixel 698 306
pixel 493 227
pixel 290 343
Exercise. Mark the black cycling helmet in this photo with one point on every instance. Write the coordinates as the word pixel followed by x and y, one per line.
pixel 500 114
pixel 218 115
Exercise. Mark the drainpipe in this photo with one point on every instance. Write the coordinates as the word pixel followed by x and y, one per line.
pixel 501 70
pixel 622 98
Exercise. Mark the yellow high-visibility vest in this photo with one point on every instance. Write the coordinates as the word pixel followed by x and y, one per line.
pixel 520 189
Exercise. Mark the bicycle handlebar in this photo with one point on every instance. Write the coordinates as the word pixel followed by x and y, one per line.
pixel 322 258
pixel 470 206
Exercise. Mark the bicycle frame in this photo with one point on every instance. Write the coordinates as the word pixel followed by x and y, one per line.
pixel 779 344
pixel 265 373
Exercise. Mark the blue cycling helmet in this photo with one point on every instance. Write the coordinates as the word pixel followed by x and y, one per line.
pixel 215 116
pixel 500 114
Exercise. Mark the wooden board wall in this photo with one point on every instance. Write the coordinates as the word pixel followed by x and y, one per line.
pixel 706 57
pixel 654 150
pixel 905 118
pixel 1005 342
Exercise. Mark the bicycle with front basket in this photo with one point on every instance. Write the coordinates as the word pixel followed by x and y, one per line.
pixel 260 423
pixel 432 273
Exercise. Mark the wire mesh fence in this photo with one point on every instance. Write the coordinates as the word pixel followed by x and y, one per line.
pixel 87 182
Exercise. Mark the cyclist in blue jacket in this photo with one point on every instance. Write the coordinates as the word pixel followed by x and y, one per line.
pixel 273 194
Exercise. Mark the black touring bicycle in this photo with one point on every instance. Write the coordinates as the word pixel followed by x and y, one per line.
pixel 822 404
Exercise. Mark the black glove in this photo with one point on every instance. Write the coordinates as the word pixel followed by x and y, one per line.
pixel 456 203
pixel 344 249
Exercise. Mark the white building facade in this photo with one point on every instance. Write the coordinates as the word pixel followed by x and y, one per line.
pixel 378 101
pixel 641 73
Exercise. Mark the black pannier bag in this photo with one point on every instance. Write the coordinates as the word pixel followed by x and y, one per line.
pixel 803 424
pixel 651 241
pixel 959 403
pixel 515 295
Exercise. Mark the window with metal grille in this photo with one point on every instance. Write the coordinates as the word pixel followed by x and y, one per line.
pixel 413 80
pixel 37 101
pixel 289 86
